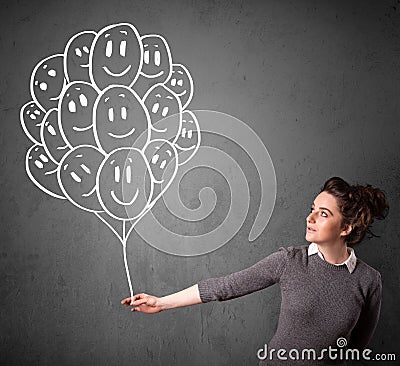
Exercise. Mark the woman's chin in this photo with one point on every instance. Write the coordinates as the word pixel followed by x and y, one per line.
pixel 309 238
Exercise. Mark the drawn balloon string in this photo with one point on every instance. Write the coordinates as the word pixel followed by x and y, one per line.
pixel 112 133
pixel 108 116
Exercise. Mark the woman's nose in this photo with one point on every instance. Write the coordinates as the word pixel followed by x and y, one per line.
pixel 310 218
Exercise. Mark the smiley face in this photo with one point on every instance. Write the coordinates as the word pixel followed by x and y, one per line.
pixel 77 177
pixel 163 161
pixel 181 83
pixel 124 183
pixel 47 81
pixel 116 56
pixel 51 137
pixel 31 117
pixel 157 59
pixel 165 112
pixel 75 113
pixel 76 60
pixel 42 171
pixel 159 154
pixel 189 137
pixel 157 63
pixel 120 117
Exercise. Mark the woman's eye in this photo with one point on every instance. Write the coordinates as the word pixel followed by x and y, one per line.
pixel 324 214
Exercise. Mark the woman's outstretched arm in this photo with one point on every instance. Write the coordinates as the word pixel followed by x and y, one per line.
pixel 151 304
pixel 261 275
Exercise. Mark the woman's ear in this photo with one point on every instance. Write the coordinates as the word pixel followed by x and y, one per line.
pixel 346 230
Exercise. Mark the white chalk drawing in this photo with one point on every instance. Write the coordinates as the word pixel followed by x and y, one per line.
pixel 188 139
pixel 157 63
pixel 119 117
pixel 76 56
pixel 77 177
pixel 116 56
pixel 42 171
pixel 113 135
pixel 163 160
pixel 161 103
pixel 31 116
pixel 75 113
pixel 48 81
pixel 51 137
pixel 181 83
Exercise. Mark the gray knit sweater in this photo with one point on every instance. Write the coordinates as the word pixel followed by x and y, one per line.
pixel 321 302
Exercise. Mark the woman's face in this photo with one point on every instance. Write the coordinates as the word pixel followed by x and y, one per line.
pixel 324 223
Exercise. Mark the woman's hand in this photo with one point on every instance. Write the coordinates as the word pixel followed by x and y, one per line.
pixel 144 303
pixel 152 304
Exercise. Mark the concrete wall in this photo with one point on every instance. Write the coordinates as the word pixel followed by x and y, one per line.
pixel 318 81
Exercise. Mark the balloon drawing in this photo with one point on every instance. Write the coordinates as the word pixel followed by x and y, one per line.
pixel 96 121
pixel 112 133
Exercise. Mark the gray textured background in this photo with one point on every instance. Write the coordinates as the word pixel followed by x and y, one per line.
pixel 318 81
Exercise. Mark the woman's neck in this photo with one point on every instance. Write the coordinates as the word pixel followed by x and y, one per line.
pixel 334 253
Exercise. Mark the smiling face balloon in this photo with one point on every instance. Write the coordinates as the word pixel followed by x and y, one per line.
pixel 77 177
pixel 120 117
pixel 31 117
pixel 42 171
pixel 51 137
pixel 188 140
pixel 124 183
pixel 116 56
pixel 157 63
pixel 76 61
pixel 47 81
pixel 163 162
pixel 165 112
pixel 159 154
pixel 181 83
pixel 76 113
pixel 157 60
pixel 109 124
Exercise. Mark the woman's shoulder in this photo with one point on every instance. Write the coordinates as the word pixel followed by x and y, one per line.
pixel 367 273
pixel 368 279
pixel 294 251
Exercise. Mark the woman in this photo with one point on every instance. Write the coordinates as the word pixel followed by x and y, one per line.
pixel 327 293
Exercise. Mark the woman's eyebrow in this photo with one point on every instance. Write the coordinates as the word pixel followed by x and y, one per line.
pixel 327 209
pixel 324 208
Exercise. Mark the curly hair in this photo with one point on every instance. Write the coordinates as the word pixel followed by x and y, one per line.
pixel 359 206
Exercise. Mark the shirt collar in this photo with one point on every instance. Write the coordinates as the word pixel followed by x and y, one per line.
pixel 349 262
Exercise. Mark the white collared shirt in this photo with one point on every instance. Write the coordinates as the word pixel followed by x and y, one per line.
pixel 349 262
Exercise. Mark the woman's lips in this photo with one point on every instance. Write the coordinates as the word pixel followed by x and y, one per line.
pixel 309 229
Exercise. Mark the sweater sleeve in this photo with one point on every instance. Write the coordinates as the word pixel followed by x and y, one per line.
pixel 368 320
pixel 259 276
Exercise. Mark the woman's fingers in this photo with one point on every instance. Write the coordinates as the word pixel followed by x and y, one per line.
pixel 142 303
pixel 126 301
pixel 139 296
pixel 150 301
pixel 129 300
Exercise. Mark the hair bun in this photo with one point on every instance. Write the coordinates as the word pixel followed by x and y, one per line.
pixel 374 198
pixel 359 205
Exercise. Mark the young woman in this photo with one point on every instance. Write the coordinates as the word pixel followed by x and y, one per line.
pixel 327 293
